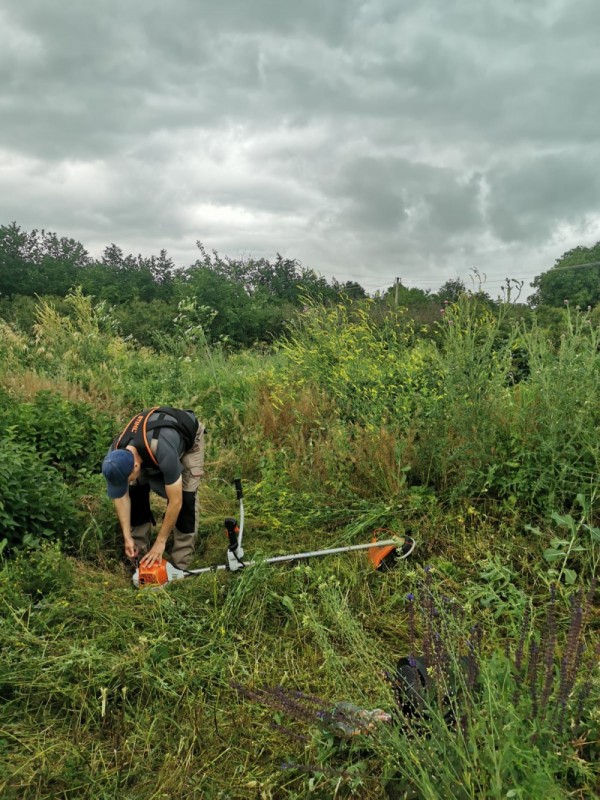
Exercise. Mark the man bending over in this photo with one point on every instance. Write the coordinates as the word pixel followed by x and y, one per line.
pixel 161 449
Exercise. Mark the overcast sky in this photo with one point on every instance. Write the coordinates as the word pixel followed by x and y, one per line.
pixel 368 140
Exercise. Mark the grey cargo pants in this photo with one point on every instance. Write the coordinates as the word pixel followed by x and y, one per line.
pixel 186 528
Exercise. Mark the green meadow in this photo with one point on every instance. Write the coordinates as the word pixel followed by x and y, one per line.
pixel 477 435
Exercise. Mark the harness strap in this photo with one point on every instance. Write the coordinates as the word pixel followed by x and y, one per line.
pixel 125 429
pixel 155 434
pixel 145 434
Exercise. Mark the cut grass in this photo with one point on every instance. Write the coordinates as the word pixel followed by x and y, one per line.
pixel 112 692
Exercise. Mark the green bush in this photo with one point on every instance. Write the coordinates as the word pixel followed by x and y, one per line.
pixel 548 450
pixel 374 373
pixel 35 502
pixel 516 417
pixel 72 436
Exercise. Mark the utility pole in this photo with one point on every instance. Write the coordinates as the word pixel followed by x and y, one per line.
pixel 396 290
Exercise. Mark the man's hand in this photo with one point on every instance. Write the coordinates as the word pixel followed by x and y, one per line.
pixel 131 550
pixel 154 555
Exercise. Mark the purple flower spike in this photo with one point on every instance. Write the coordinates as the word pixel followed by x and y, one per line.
pixel 410 597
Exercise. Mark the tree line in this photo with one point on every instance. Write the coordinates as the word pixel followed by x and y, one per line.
pixel 242 301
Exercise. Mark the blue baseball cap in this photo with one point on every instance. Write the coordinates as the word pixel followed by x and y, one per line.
pixel 116 468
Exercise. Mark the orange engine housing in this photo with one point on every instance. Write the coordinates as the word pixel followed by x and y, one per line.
pixel 155 575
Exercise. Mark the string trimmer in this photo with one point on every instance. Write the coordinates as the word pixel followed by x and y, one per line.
pixel 382 554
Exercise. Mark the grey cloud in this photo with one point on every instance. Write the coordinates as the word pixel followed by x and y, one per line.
pixel 456 207
pixel 342 133
pixel 528 200
pixel 402 196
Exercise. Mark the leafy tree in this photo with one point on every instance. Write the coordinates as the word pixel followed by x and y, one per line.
pixel 403 296
pixel 38 262
pixel 575 277
pixel 145 321
pixel 119 278
pixel 350 289
pixel 236 316
pixel 249 300
pixel 255 298
pixel 163 271
pixel 138 277
pixel 421 306
pixel 283 279
pixel 451 290
pixel 280 280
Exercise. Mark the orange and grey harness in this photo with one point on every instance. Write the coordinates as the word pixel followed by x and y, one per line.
pixel 137 429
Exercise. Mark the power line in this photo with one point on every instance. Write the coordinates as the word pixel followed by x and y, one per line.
pixel 485 282
pixel 413 284
pixel 575 266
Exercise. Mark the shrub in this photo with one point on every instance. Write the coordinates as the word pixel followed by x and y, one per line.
pixel 373 373
pixel 72 436
pixel 35 502
pixel 516 417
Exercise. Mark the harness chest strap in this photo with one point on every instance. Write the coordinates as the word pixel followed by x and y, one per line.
pixel 133 427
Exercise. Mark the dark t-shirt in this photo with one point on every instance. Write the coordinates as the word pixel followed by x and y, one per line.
pixel 168 454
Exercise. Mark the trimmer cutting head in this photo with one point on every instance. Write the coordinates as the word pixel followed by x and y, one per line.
pixel 386 557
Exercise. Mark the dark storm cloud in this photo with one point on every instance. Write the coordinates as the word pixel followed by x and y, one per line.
pixel 530 199
pixel 395 193
pixel 364 138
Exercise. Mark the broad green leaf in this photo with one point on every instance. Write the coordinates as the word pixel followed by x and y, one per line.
pixel 570 576
pixel 551 554
pixel 564 522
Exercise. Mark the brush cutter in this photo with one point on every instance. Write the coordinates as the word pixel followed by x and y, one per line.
pixel 382 554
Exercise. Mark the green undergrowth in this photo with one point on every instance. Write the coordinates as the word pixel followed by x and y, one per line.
pixel 479 440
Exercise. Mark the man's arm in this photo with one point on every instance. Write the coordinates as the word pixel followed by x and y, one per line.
pixel 123 508
pixel 174 503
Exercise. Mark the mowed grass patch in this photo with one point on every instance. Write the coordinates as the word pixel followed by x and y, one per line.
pixel 108 691
pixel 111 690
